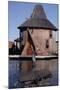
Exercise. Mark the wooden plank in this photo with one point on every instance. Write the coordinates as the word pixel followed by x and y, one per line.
pixel 29 58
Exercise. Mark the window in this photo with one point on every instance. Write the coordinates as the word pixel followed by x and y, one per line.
pixel 21 35
pixel 47 44
pixel 50 34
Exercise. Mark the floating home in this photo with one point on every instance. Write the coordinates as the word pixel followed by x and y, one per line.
pixel 37 32
pixel 11 46
pixel 41 31
pixel 19 44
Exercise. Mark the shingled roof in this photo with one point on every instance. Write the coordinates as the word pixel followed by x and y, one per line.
pixel 18 39
pixel 38 19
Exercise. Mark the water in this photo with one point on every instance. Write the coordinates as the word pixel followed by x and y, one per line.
pixel 14 74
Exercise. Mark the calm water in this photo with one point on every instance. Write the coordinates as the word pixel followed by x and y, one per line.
pixel 14 74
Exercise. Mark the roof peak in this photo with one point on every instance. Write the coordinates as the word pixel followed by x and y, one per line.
pixel 38 12
pixel 38 19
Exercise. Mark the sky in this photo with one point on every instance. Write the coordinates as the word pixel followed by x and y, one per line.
pixel 18 12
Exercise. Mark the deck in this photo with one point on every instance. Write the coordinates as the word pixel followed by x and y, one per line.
pixel 25 58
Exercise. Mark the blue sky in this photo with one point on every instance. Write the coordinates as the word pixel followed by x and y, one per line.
pixel 18 12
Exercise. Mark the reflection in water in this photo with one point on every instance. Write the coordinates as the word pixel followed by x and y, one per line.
pixel 14 74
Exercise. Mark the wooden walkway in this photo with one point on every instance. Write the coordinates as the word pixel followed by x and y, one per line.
pixel 25 58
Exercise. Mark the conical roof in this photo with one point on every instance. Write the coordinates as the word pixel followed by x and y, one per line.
pixel 38 12
pixel 38 19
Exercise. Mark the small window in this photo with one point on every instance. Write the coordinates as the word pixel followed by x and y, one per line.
pixel 21 35
pixel 50 34
pixel 47 44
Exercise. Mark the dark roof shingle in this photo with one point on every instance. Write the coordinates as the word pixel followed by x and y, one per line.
pixel 38 19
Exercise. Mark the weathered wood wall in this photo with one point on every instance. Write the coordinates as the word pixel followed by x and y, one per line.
pixel 39 38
